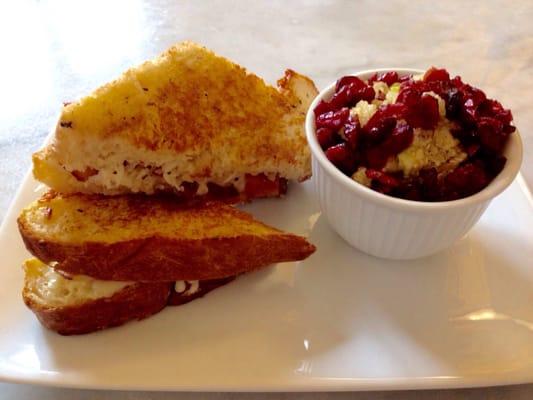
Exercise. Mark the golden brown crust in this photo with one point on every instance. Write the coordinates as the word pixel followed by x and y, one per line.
pixel 75 218
pixel 195 115
pixel 204 287
pixel 137 301
pixel 199 99
pixel 163 259
pixel 139 238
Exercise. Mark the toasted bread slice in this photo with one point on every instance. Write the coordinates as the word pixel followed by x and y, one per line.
pixel 141 238
pixel 79 304
pixel 188 122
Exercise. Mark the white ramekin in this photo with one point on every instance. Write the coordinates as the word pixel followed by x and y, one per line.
pixel 389 227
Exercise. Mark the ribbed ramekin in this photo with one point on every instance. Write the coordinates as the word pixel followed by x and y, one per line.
pixel 389 227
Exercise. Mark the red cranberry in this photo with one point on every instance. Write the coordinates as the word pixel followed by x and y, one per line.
pixel 453 100
pixel 325 137
pixel 425 113
pixel 352 132
pixel 381 129
pixel 472 100
pixel 382 177
pixel 395 110
pixel 438 81
pixel 436 75
pixel 472 149
pixel 491 134
pixel 333 119
pixel 322 107
pixel 346 80
pixel 341 156
pixel 429 110
pixel 475 94
pixel 429 184
pixel 409 190
pixel 410 92
pixel 350 90
pixel 376 157
pixel 389 78
pixel 495 164
pixel 493 108
pixel 465 180
pixel 509 129
pixel 400 139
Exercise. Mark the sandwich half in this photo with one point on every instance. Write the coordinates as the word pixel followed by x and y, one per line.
pixel 78 304
pixel 151 238
pixel 188 122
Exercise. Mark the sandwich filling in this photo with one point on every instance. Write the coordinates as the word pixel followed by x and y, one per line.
pixel 56 290
pixel 111 173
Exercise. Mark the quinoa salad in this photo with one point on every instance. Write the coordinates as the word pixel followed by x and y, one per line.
pixel 426 138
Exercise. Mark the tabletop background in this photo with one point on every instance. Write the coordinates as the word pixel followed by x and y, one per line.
pixel 55 51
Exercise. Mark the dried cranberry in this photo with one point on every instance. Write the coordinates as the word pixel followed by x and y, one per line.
pixel 472 99
pixel 509 129
pixel 341 156
pixel 430 111
pixel 351 90
pixel 325 137
pixel 333 119
pixel 400 139
pixel 395 110
pixel 389 78
pixel 466 135
pixel 409 190
pixel 472 149
pixel 382 177
pixel 493 108
pixel 436 75
pixel 453 100
pixel 381 129
pixel 346 80
pixel 322 107
pixel 465 180
pixel 495 164
pixel 476 95
pixel 491 134
pixel 438 81
pixel 375 157
pixel 410 92
pixel 468 113
pixel 425 113
pixel 352 132
pixel 457 83
pixel 429 184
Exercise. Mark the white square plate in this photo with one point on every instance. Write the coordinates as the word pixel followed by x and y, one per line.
pixel 340 320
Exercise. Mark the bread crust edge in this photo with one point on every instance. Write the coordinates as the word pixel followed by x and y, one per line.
pixel 134 302
pixel 164 259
